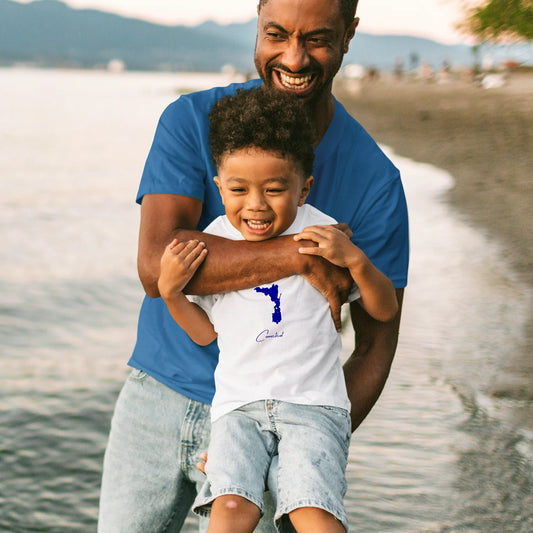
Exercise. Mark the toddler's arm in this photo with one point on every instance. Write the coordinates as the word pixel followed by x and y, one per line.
pixel 179 262
pixel 378 296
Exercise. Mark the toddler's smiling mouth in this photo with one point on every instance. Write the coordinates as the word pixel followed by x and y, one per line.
pixel 258 225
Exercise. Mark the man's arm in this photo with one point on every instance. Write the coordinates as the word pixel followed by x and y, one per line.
pixel 367 369
pixel 229 265
pixel 162 215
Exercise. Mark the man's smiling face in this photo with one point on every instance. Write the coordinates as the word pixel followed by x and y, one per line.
pixel 300 45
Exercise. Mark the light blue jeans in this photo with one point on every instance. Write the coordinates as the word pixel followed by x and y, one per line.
pixel 150 477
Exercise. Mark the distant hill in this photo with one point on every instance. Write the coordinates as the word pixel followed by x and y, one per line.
pixel 50 33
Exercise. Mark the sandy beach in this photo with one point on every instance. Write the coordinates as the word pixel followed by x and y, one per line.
pixel 483 138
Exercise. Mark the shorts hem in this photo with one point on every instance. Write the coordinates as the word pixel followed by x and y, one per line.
pixel 339 514
pixel 202 507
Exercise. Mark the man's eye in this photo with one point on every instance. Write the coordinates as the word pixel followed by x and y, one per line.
pixel 274 35
pixel 318 41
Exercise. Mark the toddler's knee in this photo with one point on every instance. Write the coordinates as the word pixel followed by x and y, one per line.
pixel 232 513
pixel 232 503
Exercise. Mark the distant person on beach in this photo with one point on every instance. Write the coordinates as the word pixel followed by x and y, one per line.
pixel 280 388
pixel 161 421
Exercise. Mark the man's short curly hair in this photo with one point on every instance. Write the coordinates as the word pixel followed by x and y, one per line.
pixel 259 118
pixel 347 9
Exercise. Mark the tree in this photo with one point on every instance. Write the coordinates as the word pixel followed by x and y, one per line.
pixel 496 20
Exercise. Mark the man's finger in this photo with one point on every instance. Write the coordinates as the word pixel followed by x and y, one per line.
pixel 342 226
pixel 335 308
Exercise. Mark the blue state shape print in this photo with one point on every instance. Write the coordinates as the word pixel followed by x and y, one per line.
pixel 275 297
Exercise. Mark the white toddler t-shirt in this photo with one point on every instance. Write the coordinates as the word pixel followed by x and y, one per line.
pixel 276 341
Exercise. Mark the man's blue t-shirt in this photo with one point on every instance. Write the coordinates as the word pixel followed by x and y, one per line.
pixel 354 182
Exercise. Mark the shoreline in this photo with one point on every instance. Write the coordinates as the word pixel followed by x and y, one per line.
pixel 483 138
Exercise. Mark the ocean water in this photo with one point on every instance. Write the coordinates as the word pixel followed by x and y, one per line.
pixel 439 452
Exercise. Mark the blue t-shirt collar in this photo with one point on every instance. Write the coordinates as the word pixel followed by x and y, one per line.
pixel 333 134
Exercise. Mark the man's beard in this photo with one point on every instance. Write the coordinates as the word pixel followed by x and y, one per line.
pixel 315 96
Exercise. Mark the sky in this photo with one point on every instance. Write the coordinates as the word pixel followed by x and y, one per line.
pixel 434 19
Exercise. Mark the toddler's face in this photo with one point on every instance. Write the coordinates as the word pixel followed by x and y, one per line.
pixel 261 192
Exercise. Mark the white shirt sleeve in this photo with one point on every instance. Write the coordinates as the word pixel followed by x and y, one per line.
pixel 354 294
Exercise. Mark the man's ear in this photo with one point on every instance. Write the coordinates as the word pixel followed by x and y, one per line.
pixel 305 190
pixel 349 34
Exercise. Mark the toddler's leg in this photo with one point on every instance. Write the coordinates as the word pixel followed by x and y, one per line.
pixel 238 461
pixel 311 481
pixel 314 520
pixel 233 514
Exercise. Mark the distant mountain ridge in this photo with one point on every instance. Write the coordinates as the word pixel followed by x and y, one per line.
pixel 50 33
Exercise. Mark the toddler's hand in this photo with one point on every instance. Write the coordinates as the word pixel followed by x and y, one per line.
pixel 333 244
pixel 201 463
pixel 179 262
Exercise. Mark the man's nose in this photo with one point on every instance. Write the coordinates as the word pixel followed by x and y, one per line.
pixel 295 57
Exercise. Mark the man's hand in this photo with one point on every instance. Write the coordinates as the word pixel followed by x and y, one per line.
pixel 377 295
pixel 333 282
pixel 344 228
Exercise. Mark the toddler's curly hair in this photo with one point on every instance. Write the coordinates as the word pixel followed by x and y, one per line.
pixel 265 119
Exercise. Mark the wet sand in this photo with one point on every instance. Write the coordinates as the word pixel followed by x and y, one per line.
pixel 483 138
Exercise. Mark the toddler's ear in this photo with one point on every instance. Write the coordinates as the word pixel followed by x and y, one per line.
pixel 216 179
pixel 305 190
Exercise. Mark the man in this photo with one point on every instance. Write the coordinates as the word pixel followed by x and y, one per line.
pixel 161 421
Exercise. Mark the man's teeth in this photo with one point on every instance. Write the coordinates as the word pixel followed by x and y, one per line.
pixel 301 82
pixel 258 224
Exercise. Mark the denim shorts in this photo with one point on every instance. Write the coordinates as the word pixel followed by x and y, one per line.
pixel 311 443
